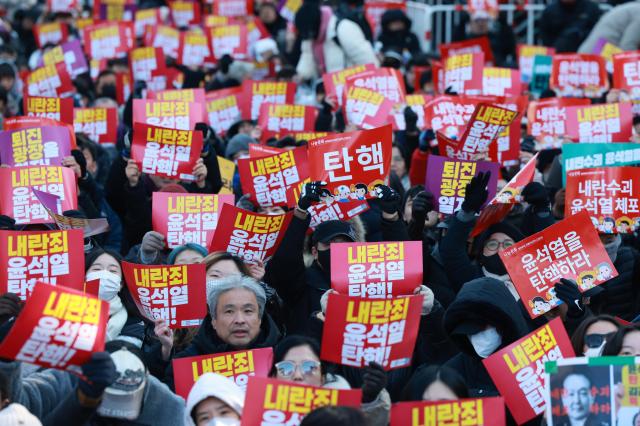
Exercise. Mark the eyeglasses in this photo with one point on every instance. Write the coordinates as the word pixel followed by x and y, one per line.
pixel 288 368
pixel 493 245
pixel 596 340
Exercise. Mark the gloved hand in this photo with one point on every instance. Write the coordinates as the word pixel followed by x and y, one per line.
pixel 310 194
pixel 476 193
pixel 410 120
pixel 244 202
pixel 568 292
pixel 100 372
pixel 374 379
pixel 536 195
pixel 10 306
pixel 207 133
pixel 138 87
pixel 224 63
pixel 389 199
pixel 428 300
pixel 152 244
pixel 422 204
pixel 7 223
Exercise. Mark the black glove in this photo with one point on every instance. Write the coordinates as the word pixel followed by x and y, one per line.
pixel 389 199
pixel 310 194
pixel 424 142
pixel 224 63
pixel 374 379
pixel 207 132
pixel 82 162
pixel 10 306
pixel 567 291
pixel 422 204
pixel 99 373
pixel 536 195
pixel 410 120
pixel 7 223
pixel 476 193
pixel 138 87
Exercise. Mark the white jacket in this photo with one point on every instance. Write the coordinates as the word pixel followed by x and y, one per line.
pixel 354 49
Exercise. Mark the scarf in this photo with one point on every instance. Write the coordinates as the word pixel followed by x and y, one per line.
pixel 117 318
pixel 318 43
pixel 506 280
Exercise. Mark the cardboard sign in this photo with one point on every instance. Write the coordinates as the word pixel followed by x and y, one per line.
pixel 175 293
pixel 376 270
pixel 546 120
pixel 187 218
pixel 50 81
pixel 270 401
pixel 578 75
pixel 328 210
pixel 38 146
pixel 286 118
pixel 542 66
pixel 144 60
pixel 334 81
pixel 506 148
pixel 223 108
pixel 180 95
pixel 447 179
pixel 108 40
pixel 227 170
pixel 463 73
pixel 362 331
pixel 250 236
pixel 54 257
pixel 586 156
pixel 472 45
pixel 610 196
pixel 24 122
pixel 267 179
pixel 476 411
pixel 256 93
pixel 238 366
pixel 18 201
pixel 229 40
pixel 70 54
pixel 568 249
pixel 184 13
pixel 600 123
pixel 50 33
pixel 388 82
pixel 168 114
pixel 54 108
pixel 352 163
pixel 144 18
pixel 99 124
pixel 89 227
pixel 606 388
pixel 165 37
pixel 517 370
pixel 486 123
pixel 501 82
pixel 449 114
pixel 366 108
pixel 526 54
pixel 417 103
pixel 193 49
pixel 57 328
pixel 166 152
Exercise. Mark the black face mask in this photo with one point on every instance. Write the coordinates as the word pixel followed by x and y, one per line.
pixel 493 264
pixel 324 259
pixel 108 91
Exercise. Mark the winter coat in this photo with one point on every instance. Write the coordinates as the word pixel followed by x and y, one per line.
pixel 404 40
pixel 565 26
pixel 484 301
pixel 619 26
pixel 621 296
pixel 353 49
pixel 376 412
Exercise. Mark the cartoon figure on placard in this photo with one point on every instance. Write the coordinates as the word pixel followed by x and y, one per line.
pixel 636 223
pixel 552 298
pixel 624 225
pixel 374 188
pixel 507 195
pixel 596 223
pixel 343 193
pixel 326 197
pixel 608 225
pixel 604 271
pixel 539 305
pixel 586 280
pixel 359 191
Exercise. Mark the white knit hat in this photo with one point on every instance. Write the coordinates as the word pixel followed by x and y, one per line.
pixel 18 415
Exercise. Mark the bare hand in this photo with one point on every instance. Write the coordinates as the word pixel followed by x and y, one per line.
pixel 165 335
pixel 200 173
pixel 132 172
pixel 71 162
pixel 256 270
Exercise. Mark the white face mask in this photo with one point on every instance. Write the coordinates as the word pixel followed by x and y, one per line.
pixel 109 283
pixel 486 342
pixel 224 421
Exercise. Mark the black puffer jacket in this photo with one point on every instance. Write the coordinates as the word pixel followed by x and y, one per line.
pixel 400 40
pixel 621 296
pixel 484 301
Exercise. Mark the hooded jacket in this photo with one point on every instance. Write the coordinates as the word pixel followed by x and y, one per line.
pixel 216 386
pixel 401 40
pixel 483 301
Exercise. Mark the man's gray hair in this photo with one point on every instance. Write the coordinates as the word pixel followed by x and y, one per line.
pixel 218 287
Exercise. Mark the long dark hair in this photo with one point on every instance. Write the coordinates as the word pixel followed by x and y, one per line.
pixel 335 416
pixel 293 341
pixel 614 345
pixel 577 339
pixel 425 376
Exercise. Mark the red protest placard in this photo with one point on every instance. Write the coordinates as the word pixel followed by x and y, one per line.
pixel 518 370
pixel 578 75
pixel 193 50
pixel 165 37
pixel 223 108
pixel 232 8
pixel 417 102
pixel 256 93
pixel 50 81
pixel 476 411
pixel 568 249
pixel 463 73
pixel 376 270
pixel 187 218
pixel 124 87
pixel 250 236
pixel 352 163
pixel 175 293
pixel 170 78
pixel 70 54
pixel 526 53
pixel 449 114
pixel 37 146
pixel 334 81
pixel 259 151
pixel 501 82
pixel 168 114
pixel 286 118
pixel 270 401
pixel 486 123
pixel 626 72
pixel 610 196
pixel 144 18
pixel 373 11
pixel 144 60
pixel 473 45
pixel 53 257
pixel 229 40
pixel 166 152
pixel 18 201
pixel 546 120
pixel 600 123
pixel 114 10
pixel 54 108
pixel 357 331
pixel 329 210
pixel 50 33
pixel 108 40
pixel 386 81
pixel 184 95
pixel 57 328
pixel 365 108
pixel 238 366
pixel 267 179
pixel 99 124
pixel 24 122
pixel 184 13
pixel 65 6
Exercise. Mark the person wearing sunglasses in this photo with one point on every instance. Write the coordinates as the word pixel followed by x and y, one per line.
pixel 297 359
pixel 591 335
